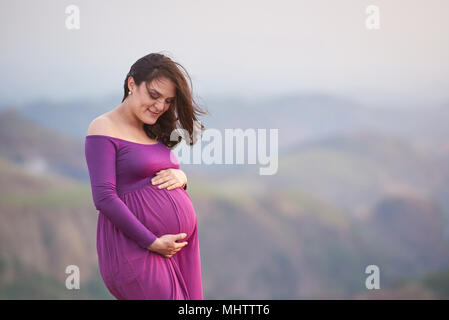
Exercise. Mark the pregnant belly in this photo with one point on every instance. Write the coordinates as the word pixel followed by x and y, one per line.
pixel 163 211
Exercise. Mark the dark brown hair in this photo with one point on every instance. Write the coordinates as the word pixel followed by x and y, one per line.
pixel 183 108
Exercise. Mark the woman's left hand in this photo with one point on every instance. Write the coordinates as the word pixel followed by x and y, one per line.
pixel 170 178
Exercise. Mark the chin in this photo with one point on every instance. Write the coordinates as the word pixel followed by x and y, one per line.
pixel 150 122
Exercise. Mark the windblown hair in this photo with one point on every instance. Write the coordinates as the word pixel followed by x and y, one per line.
pixel 182 113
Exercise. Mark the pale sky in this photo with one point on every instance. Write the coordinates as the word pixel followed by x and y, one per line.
pixel 229 47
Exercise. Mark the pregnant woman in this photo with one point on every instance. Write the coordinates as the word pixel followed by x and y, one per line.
pixel 147 235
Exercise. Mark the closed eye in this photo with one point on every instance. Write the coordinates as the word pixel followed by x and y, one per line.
pixel 155 97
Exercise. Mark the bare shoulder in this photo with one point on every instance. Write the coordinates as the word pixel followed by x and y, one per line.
pixel 101 125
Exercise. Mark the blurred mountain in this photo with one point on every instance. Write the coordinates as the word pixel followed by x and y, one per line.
pixel 39 149
pixel 431 286
pixel 339 202
pixel 299 117
pixel 55 115
pixel 356 170
pixel 281 244
pixel 47 224
pixel 410 233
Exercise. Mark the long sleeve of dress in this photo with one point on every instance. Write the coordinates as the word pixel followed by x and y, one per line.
pixel 101 160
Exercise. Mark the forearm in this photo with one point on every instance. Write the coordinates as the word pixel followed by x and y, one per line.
pixel 121 216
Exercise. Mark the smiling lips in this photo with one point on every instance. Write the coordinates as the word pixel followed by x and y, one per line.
pixel 154 113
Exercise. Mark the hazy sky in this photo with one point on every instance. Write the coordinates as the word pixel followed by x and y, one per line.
pixel 231 47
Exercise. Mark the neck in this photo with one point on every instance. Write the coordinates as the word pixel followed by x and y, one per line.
pixel 125 111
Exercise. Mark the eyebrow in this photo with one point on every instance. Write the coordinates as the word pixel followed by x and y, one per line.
pixel 161 94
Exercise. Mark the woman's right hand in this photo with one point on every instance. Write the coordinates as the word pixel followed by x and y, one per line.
pixel 166 245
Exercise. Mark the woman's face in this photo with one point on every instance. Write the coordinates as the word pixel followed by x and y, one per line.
pixel 150 103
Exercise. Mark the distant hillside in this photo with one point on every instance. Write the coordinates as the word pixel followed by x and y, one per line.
pixel 336 205
pixel 431 286
pixel 71 117
pixel 39 149
pixel 356 170
pixel 47 224
pixel 299 116
pixel 19 281
pixel 254 237
pixel 409 233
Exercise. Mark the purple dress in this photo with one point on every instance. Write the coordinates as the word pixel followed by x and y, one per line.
pixel 133 213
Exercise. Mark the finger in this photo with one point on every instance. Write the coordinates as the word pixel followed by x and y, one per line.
pixel 163 173
pixel 181 236
pixel 174 186
pixel 156 181
pixel 180 248
pixel 166 184
pixel 159 179
pixel 181 245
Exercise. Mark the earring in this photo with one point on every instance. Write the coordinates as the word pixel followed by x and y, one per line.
pixel 129 92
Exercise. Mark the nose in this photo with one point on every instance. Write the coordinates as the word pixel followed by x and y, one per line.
pixel 159 106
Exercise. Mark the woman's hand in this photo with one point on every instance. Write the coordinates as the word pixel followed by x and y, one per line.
pixel 170 178
pixel 167 246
